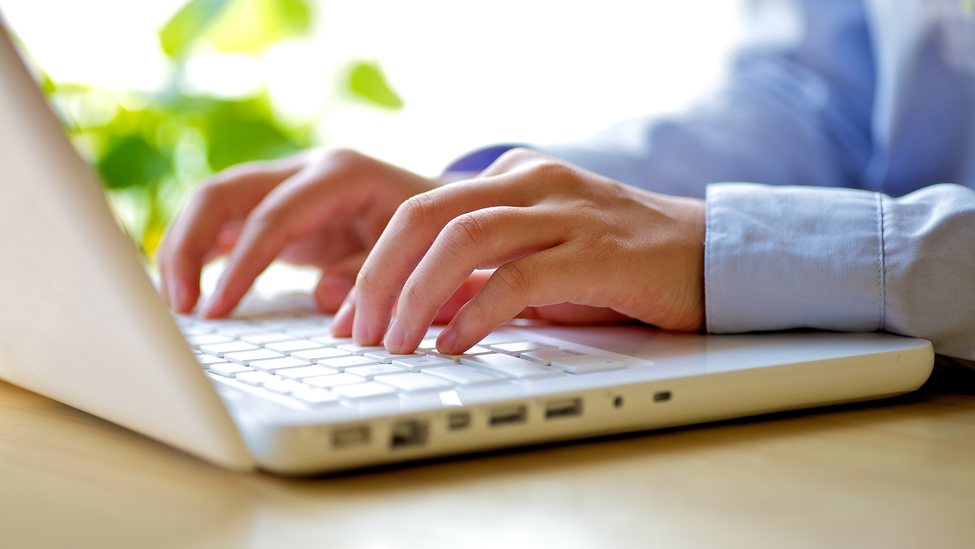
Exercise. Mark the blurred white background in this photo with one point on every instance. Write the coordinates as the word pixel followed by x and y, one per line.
pixel 470 74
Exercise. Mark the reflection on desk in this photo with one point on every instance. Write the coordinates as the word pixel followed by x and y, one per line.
pixel 896 473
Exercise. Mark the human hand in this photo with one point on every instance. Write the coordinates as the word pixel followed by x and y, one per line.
pixel 566 243
pixel 325 209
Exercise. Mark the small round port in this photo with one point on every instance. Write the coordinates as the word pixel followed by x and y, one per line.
pixel 618 402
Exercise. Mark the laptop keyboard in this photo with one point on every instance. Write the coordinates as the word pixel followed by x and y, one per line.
pixel 298 359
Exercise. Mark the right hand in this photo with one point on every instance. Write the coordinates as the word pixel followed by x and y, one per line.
pixel 325 209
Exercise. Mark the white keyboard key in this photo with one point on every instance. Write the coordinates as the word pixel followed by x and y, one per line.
pixel 387 357
pixel 228 369
pixel 206 339
pixel 428 344
pixel 515 349
pixel 209 359
pixel 364 390
pixel 263 338
pixel 511 366
pixel 246 357
pixel 225 323
pixel 185 320
pixel 238 330
pixel 329 340
pixel 374 370
pixel 546 356
pixel 315 355
pixel 495 339
pixel 411 383
pixel 283 386
pixel 473 351
pixel 334 380
pixel 305 372
pixel 255 378
pixel 360 350
pixel 315 397
pixel 290 347
pixel 308 332
pixel 415 364
pixel 465 375
pixel 279 364
pixel 220 349
pixel 588 365
pixel 343 362
pixel 282 324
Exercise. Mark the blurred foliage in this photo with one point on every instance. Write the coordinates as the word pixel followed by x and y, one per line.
pixel 151 149
pixel 368 82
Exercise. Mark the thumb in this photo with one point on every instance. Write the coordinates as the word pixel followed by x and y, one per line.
pixel 336 281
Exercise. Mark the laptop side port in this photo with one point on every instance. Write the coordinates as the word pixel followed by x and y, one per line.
pixel 458 420
pixel 507 415
pixel 565 407
pixel 408 433
pixel 662 396
pixel 353 436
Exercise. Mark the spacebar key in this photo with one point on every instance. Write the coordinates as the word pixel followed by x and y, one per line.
pixel 511 366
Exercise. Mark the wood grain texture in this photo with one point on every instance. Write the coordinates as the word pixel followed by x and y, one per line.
pixel 898 473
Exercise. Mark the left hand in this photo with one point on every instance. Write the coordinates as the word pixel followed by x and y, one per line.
pixel 570 245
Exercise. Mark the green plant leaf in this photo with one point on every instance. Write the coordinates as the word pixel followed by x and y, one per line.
pixel 241 131
pixel 189 23
pixel 132 161
pixel 250 26
pixel 367 81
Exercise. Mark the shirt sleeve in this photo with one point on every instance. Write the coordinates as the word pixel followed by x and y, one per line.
pixel 779 258
pixel 795 109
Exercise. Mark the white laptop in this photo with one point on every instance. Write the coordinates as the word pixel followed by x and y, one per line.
pixel 80 322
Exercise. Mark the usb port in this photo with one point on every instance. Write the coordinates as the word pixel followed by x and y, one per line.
pixel 458 420
pixel 662 396
pixel 409 433
pixel 563 408
pixel 353 436
pixel 508 414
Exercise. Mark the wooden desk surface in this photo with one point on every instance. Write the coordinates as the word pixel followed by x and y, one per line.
pixel 900 473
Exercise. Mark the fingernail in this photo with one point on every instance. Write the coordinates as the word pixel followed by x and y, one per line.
pixel 394 336
pixel 360 332
pixel 447 340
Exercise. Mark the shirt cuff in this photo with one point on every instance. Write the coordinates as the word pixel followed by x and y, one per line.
pixel 778 258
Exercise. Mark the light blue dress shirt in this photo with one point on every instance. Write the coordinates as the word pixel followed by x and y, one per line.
pixel 855 124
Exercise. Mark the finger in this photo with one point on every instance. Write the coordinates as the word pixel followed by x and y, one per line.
pixel 195 232
pixel 341 325
pixel 481 239
pixel 310 200
pixel 517 158
pixel 410 233
pixel 336 282
pixel 546 278
pixel 465 293
pixel 572 313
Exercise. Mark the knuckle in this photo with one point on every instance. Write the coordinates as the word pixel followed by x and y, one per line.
pixel 555 173
pixel 463 233
pixel 417 210
pixel 365 280
pixel 513 279
pixel 212 191
pixel 512 158
pixel 343 157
